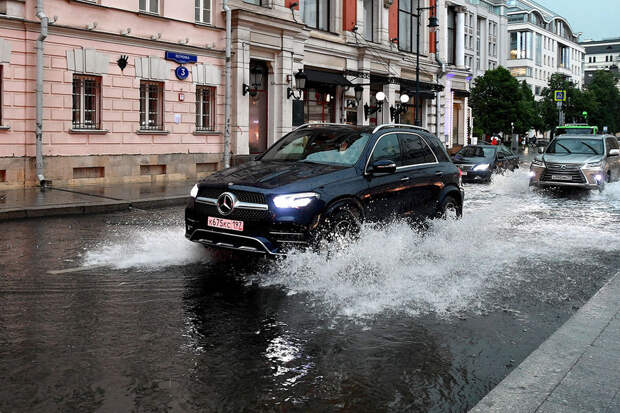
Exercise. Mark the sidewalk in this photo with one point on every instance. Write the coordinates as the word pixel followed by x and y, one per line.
pixel 576 370
pixel 32 202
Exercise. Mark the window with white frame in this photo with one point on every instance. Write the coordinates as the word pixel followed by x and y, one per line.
pixel 370 20
pixel 205 108
pixel 86 102
pixel 407 26
pixel 315 13
pixel 149 6
pixel 203 11
pixel 151 105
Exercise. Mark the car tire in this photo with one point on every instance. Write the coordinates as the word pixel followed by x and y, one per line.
pixel 449 209
pixel 342 222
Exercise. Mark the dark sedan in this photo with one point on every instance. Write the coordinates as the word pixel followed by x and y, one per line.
pixel 323 180
pixel 480 162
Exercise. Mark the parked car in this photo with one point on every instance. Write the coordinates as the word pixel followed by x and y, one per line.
pixel 324 180
pixel 480 162
pixel 586 161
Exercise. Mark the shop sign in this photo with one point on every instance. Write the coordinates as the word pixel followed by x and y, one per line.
pixel 181 58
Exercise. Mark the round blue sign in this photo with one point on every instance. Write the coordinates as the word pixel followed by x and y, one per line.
pixel 181 72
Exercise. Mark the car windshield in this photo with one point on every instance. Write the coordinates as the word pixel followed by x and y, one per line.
pixel 576 146
pixel 477 152
pixel 575 131
pixel 329 146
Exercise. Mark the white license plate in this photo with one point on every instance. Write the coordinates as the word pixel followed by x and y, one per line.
pixel 561 177
pixel 225 223
pixel 464 173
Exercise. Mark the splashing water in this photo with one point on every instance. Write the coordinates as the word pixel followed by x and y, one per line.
pixel 453 265
pixel 147 249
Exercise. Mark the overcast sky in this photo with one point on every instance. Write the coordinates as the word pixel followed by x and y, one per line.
pixel 596 19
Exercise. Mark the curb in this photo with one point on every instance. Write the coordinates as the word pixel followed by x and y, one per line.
pixel 90 208
pixel 531 386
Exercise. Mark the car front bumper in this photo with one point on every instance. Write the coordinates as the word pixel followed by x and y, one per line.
pixel 476 176
pixel 590 179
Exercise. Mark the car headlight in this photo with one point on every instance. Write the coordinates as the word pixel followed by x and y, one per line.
pixel 538 162
pixel 295 200
pixel 594 165
pixel 482 167
pixel 194 192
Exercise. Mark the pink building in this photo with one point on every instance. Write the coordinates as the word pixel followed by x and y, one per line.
pixel 133 90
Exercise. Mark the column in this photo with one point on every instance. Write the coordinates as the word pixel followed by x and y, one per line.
pixel 460 36
pixel 363 66
pixel 390 100
pixel 239 131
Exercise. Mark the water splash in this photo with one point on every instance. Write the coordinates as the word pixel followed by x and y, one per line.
pixel 454 265
pixel 149 249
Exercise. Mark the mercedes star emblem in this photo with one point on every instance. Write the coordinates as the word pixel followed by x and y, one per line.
pixel 563 166
pixel 226 203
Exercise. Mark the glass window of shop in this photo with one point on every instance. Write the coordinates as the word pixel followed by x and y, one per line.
pixel 319 105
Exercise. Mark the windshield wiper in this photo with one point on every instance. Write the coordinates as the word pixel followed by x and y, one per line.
pixel 567 150
pixel 591 148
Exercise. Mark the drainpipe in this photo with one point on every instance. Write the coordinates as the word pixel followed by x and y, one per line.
pixel 228 84
pixel 39 92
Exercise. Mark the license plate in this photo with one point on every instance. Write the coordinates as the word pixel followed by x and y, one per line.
pixel 561 177
pixel 464 173
pixel 225 224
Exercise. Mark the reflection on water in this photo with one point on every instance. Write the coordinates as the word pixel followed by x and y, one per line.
pixel 400 321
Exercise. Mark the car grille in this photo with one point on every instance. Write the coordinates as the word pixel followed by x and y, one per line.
pixel 243 196
pixel 237 214
pixel 572 170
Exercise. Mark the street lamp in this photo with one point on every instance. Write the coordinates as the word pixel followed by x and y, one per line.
pixel 433 25
pixel 401 108
pixel 300 85
pixel 380 98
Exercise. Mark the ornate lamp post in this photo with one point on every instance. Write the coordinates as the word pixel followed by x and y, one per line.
pixel 433 25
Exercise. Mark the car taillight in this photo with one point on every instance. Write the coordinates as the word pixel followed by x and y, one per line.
pixel 460 177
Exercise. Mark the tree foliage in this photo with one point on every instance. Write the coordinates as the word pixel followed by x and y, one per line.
pixel 606 96
pixel 498 101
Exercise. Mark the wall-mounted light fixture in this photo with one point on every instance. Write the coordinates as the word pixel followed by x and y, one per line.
pixel 300 85
pixel 256 80
pixel 380 98
pixel 359 91
pixel 400 108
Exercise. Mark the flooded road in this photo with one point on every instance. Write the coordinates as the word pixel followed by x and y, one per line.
pixel 119 312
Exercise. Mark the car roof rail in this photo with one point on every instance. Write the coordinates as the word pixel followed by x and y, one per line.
pixel 308 125
pixel 398 125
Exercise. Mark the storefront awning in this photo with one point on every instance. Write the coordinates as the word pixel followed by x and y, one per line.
pixel 458 93
pixel 320 78
pixel 424 94
pixel 406 84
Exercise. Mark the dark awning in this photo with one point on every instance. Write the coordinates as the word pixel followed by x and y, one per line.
pixel 407 84
pixel 321 78
pixel 424 94
pixel 458 93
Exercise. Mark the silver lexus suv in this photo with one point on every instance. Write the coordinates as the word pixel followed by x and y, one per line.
pixel 581 161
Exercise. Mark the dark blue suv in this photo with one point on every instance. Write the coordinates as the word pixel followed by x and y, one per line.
pixel 324 180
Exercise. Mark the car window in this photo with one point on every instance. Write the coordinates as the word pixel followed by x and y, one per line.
pixel 415 150
pixel 387 148
pixel 438 148
pixel 612 143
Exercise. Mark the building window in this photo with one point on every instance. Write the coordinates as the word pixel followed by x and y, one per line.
pixel 205 108
pixel 315 13
pixel 86 102
pixel 521 45
pixel 149 6
pixel 369 20
pixel 151 105
pixel 407 26
pixel 257 2
pixel 203 11
pixel 538 49
pixel 451 35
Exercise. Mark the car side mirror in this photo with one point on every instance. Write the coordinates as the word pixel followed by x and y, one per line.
pixel 384 166
pixel 541 150
pixel 614 152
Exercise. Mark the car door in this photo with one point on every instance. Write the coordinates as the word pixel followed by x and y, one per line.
pixel 383 198
pixel 422 174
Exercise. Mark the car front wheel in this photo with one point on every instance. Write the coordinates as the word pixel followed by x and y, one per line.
pixel 449 209
pixel 342 223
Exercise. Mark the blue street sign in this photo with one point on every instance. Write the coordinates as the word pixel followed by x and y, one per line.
pixel 181 58
pixel 181 72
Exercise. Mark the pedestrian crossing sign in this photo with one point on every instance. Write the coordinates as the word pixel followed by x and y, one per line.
pixel 560 96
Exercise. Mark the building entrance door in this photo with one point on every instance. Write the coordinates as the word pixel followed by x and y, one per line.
pixel 258 108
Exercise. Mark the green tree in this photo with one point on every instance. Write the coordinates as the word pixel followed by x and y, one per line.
pixel 577 102
pixel 606 96
pixel 497 100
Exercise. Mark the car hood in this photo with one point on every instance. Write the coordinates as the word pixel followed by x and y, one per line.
pixel 268 175
pixel 571 158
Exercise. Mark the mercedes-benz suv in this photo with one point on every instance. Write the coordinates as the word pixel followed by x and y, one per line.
pixel 321 180
pixel 580 161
